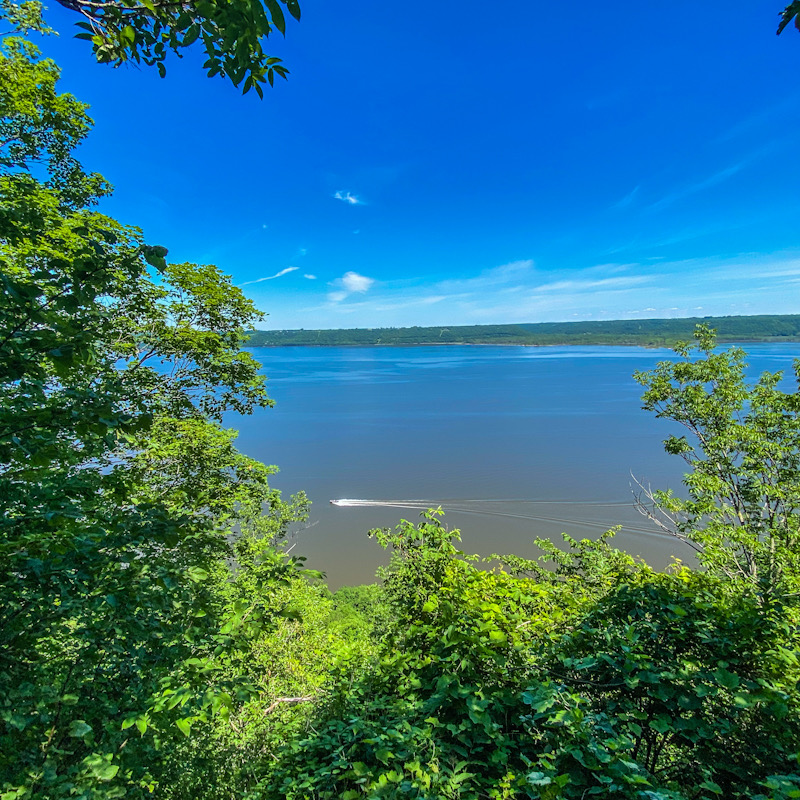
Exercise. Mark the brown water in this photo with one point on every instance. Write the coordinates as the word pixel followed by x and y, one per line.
pixel 512 442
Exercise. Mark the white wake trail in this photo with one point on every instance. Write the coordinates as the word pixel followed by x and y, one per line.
pixel 347 501
pixel 453 508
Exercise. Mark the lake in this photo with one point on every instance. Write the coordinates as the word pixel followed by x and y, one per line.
pixel 512 442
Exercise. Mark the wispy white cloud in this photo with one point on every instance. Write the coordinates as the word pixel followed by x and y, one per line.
pixel 768 117
pixel 635 312
pixel 513 272
pixel 770 147
pixel 384 306
pixel 349 283
pixel 627 200
pixel 582 285
pixel 789 270
pixel 310 277
pixel 348 197
pixel 354 282
pixel 713 180
pixel 271 277
pixel 517 292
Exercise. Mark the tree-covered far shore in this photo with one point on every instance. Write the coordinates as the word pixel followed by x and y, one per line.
pixel 641 332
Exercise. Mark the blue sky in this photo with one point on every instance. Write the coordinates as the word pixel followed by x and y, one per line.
pixel 473 163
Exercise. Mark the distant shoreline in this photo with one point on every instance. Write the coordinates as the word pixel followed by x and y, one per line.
pixel 653 333
pixel 776 340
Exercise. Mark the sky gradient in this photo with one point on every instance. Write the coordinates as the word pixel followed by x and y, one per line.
pixel 550 161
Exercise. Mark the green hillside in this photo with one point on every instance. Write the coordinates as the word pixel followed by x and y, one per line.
pixel 645 332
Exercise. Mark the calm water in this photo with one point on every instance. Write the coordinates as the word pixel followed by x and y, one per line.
pixel 513 443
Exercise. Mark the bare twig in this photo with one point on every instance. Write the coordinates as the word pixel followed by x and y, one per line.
pixel 289 700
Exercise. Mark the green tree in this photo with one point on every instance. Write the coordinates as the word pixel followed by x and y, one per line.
pixel 672 684
pixel 742 513
pixel 232 33
pixel 294 666
pixel 120 491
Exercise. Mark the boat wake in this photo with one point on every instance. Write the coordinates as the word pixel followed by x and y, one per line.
pixel 458 507
pixel 346 501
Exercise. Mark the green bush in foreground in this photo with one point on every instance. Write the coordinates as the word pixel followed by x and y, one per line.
pixel 650 686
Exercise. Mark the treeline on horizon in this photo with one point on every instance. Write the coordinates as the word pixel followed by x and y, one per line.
pixel 642 332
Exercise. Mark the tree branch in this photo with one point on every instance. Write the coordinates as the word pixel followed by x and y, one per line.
pixel 288 700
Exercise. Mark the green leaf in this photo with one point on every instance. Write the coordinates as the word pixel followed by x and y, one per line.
pixel 155 254
pixel 197 574
pixel 538 779
pixel 78 729
pixel 101 767
pixel 191 35
pixel 661 724
pixel 276 13
pixel 727 679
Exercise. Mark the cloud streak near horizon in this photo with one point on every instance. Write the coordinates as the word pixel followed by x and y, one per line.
pixel 270 277
pixel 519 292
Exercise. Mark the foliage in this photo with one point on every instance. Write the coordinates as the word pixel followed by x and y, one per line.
pixel 120 492
pixel 791 12
pixel 41 128
pixel 672 683
pixel 640 686
pixel 24 17
pixel 444 607
pixel 291 668
pixel 439 715
pixel 366 602
pixel 744 488
pixel 231 33
pixel 645 332
pixel 586 568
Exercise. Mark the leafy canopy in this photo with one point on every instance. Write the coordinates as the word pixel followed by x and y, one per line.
pixel 742 443
pixel 232 33
pixel 124 501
